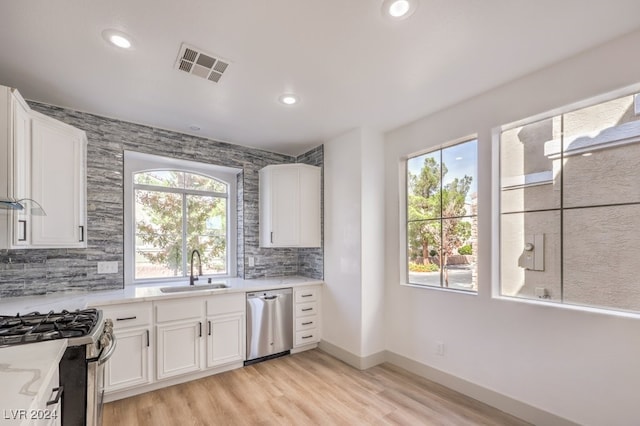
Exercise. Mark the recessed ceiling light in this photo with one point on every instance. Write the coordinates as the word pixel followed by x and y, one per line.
pixel 288 99
pixel 458 158
pixel 117 38
pixel 399 9
pixel 194 128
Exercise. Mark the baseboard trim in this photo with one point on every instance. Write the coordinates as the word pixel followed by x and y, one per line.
pixel 497 400
pixel 361 363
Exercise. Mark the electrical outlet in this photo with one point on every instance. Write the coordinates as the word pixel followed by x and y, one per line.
pixel 108 267
pixel 440 348
pixel 252 261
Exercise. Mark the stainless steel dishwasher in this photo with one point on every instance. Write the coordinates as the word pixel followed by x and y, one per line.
pixel 269 324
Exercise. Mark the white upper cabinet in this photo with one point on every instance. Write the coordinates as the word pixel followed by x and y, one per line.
pixel 290 206
pixel 58 175
pixel 45 161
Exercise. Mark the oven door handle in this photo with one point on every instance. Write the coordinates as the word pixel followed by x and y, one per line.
pixel 112 347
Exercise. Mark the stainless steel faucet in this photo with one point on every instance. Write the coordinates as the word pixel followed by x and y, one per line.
pixel 193 279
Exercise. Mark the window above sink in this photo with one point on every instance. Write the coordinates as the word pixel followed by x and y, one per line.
pixel 173 207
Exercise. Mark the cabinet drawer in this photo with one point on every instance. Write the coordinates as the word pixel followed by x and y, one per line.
pixel 306 295
pixel 306 336
pixel 128 314
pixel 179 309
pixel 306 309
pixel 306 323
pixel 225 304
pixel 47 402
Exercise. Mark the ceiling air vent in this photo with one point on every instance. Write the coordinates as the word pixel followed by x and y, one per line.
pixel 194 61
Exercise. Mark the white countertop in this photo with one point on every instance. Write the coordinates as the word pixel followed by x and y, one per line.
pixel 142 292
pixel 25 373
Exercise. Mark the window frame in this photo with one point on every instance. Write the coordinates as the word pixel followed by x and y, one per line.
pixel 135 162
pixel 404 214
pixel 496 201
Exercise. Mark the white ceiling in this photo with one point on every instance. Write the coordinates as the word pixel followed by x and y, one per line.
pixel 350 66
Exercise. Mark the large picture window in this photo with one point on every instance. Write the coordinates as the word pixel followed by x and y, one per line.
pixel 569 206
pixel 442 218
pixel 174 207
pixel 175 213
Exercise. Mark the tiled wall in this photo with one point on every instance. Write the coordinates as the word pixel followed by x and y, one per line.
pixel 311 260
pixel 31 272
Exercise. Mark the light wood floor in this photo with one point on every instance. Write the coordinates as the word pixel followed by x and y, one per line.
pixel 309 388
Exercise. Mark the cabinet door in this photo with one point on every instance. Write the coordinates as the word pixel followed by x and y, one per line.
pixel 129 364
pixel 178 348
pixel 310 233
pixel 225 339
pixel 21 171
pixel 290 199
pixel 285 199
pixel 58 183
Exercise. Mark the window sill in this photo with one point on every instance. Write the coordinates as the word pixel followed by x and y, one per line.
pixel 444 289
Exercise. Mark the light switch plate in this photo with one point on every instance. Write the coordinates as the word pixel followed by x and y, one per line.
pixel 108 267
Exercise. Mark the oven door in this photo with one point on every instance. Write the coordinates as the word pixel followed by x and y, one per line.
pixel 95 383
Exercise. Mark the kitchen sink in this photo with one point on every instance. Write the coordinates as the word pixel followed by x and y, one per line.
pixel 181 289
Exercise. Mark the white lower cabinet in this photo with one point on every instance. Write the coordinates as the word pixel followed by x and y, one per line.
pixel 182 338
pixel 179 348
pixel 306 317
pixel 130 365
pixel 225 329
pixel 225 341
pixel 51 410
pixel 179 336
pixel 194 335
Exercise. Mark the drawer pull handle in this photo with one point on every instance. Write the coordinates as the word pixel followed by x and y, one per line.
pixel 307 337
pixel 307 323
pixel 306 295
pixel 307 309
pixel 58 395
pixel 81 233
pixel 126 318
pixel 147 338
pixel 209 328
pixel 200 329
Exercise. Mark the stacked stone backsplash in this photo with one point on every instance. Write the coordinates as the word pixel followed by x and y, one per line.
pixel 311 260
pixel 36 272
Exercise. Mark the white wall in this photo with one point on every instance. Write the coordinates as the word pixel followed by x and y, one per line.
pixel 341 309
pixel 372 214
pixel 353 311
pixel 579 365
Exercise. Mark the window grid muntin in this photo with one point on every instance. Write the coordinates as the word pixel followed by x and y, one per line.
pixel 561 113
pixel 441 217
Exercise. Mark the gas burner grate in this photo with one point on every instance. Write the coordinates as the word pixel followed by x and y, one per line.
pixel 36 327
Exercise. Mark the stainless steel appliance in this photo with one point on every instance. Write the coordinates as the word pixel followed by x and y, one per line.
pixel 90 344
pixel 269 324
